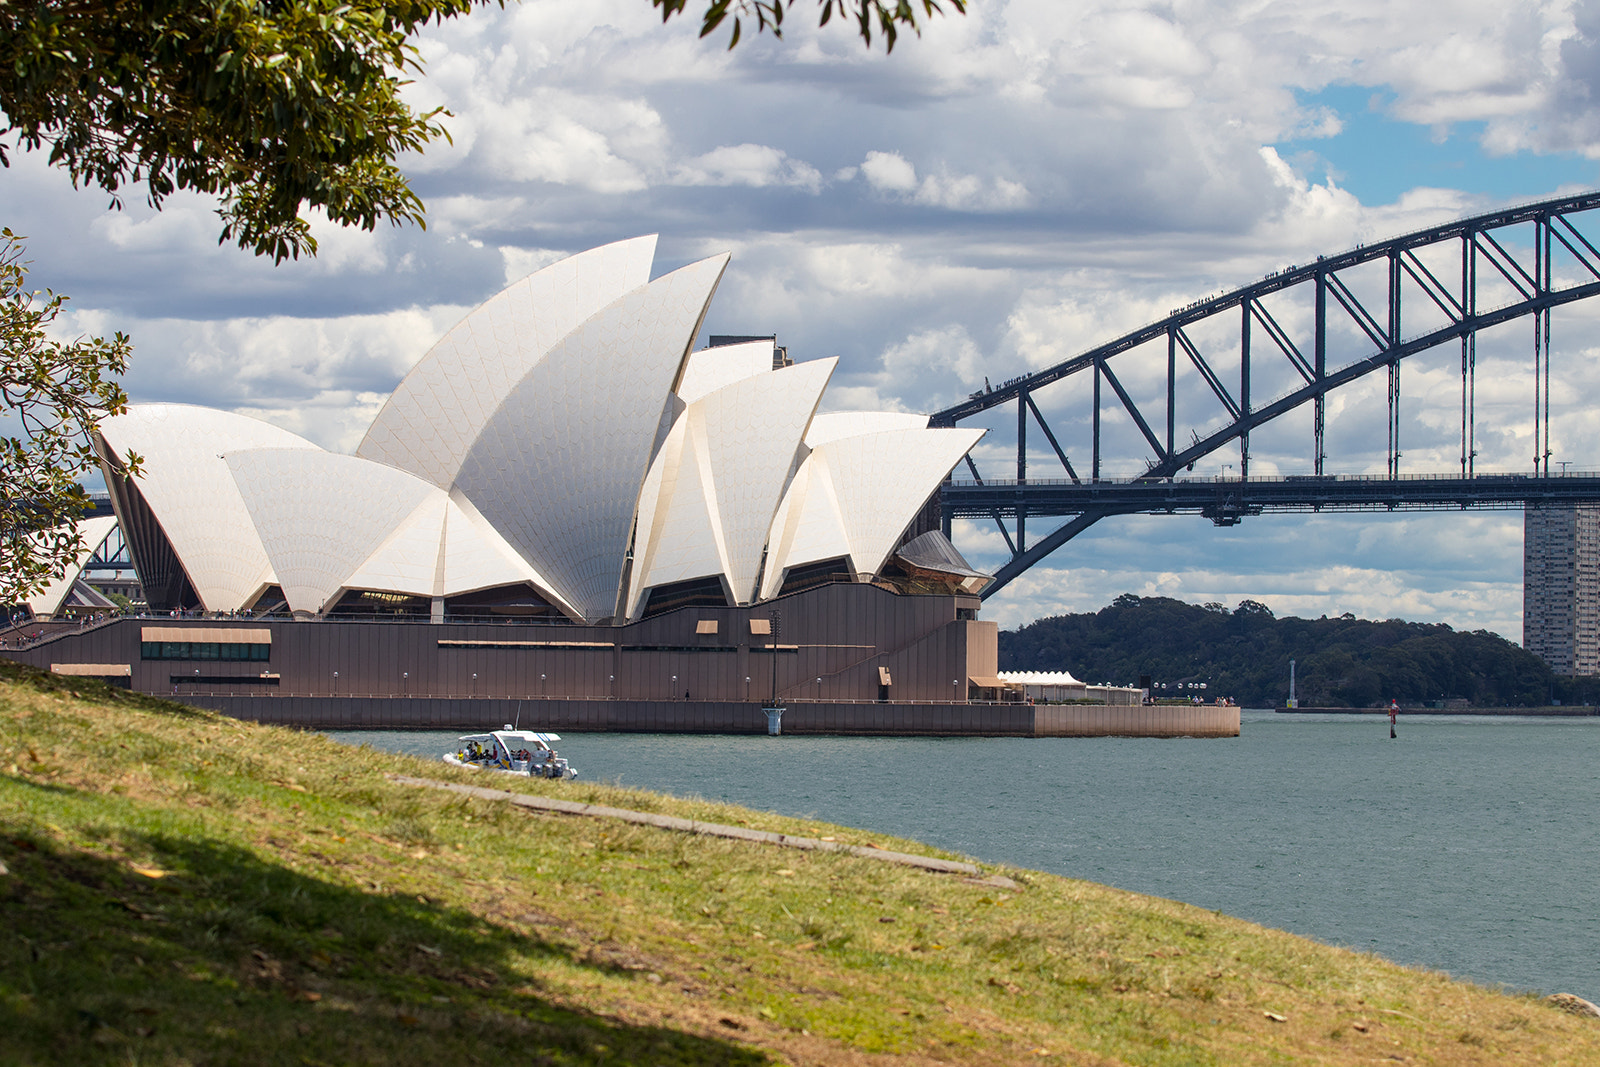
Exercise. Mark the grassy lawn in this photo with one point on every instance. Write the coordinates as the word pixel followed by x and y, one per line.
pixel 181 888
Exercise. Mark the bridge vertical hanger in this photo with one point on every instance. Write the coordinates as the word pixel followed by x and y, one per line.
pixel 1394 420
pixel 1541 349
pixel 1172 387
pixel 995 512
pixel 1244 386
pixel 1394 363
pixel 1094 475
pixel 1548 450
pixel 1022 467
pixel 1469 353
pixel 1537 351
pixel 1320 401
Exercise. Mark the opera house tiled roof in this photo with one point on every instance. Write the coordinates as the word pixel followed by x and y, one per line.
pixel 560 450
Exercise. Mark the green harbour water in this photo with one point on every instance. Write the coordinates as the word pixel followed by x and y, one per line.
pixel 1468 845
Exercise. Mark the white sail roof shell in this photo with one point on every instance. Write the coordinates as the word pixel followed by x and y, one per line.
pixel 434 416
pixel 320 515
pixel 881 480
pixel 476 556
pixel 854 496
pixel 188 486
pixel 558 467
pixel 331 523
pixel 677 496
pixel 753 432
pixel 708 503
pixel 407 561
pixel 94 531
pixel 833 425
pixel 807 527
pixel 440 550
pixel 561 421
pixel 710 369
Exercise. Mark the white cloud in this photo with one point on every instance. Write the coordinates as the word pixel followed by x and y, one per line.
pixel 889 172
pixel 892 173
pixel 521 262
pixel 317 377
pixel 754 165
pixel 946 354
pixel 597 143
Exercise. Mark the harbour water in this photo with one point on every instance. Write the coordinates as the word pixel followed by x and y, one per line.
pixel 1468 845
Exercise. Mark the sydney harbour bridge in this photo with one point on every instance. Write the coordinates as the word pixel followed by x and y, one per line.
pixel 1298 336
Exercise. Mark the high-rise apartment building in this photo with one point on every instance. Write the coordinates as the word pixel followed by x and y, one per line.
pixel 1561 587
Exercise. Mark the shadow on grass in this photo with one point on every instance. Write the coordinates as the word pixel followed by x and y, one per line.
pixel 225 958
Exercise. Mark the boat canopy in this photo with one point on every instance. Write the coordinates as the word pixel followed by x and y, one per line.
pixel 512 740
pixel 516 736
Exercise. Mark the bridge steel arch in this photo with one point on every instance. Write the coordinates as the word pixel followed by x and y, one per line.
pixel 1483 266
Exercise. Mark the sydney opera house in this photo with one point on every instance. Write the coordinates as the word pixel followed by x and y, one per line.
pixel 565 507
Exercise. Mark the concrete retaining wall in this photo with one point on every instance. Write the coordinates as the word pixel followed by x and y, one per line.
pixel 1087 720
pixel 677 716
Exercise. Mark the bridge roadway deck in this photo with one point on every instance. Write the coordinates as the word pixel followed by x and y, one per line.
pixel 1228 498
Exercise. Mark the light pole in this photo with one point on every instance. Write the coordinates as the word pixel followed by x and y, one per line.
pixel 776 625
pixel 819 687
pixel 673 693
pixel 611 680
pixel 335 683
pixel 747 688
pixel 405 681
pixel 541 687
pixel 955 684
pixel 474 683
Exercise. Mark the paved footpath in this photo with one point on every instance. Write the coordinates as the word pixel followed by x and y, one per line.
pixel 711 829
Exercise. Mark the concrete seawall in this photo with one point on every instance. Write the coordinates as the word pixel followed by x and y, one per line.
pixel 1078 720
pixel 690 717
pixel 1559 710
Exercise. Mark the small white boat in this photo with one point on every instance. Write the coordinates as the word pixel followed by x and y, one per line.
pixel 511 751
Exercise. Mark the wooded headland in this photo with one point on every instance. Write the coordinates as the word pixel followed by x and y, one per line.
pixel 1341 662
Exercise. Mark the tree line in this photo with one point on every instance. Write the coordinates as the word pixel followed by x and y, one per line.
pixel 1341 662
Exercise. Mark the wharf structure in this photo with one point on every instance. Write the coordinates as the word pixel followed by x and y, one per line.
pixel 1561 586
pixel 565 516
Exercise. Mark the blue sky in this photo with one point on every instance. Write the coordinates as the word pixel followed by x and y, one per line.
pixel 1379 158
pixel 1015 186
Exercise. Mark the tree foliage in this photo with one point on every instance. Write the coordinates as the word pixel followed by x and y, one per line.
pixel 275 106
pixel 54 394
pixel 1245 653
pixel 885 17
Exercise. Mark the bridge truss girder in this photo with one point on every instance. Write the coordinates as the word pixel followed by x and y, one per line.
pixel 1534 290
pixel 110 555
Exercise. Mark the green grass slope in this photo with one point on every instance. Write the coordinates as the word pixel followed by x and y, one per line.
pixel 180 888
